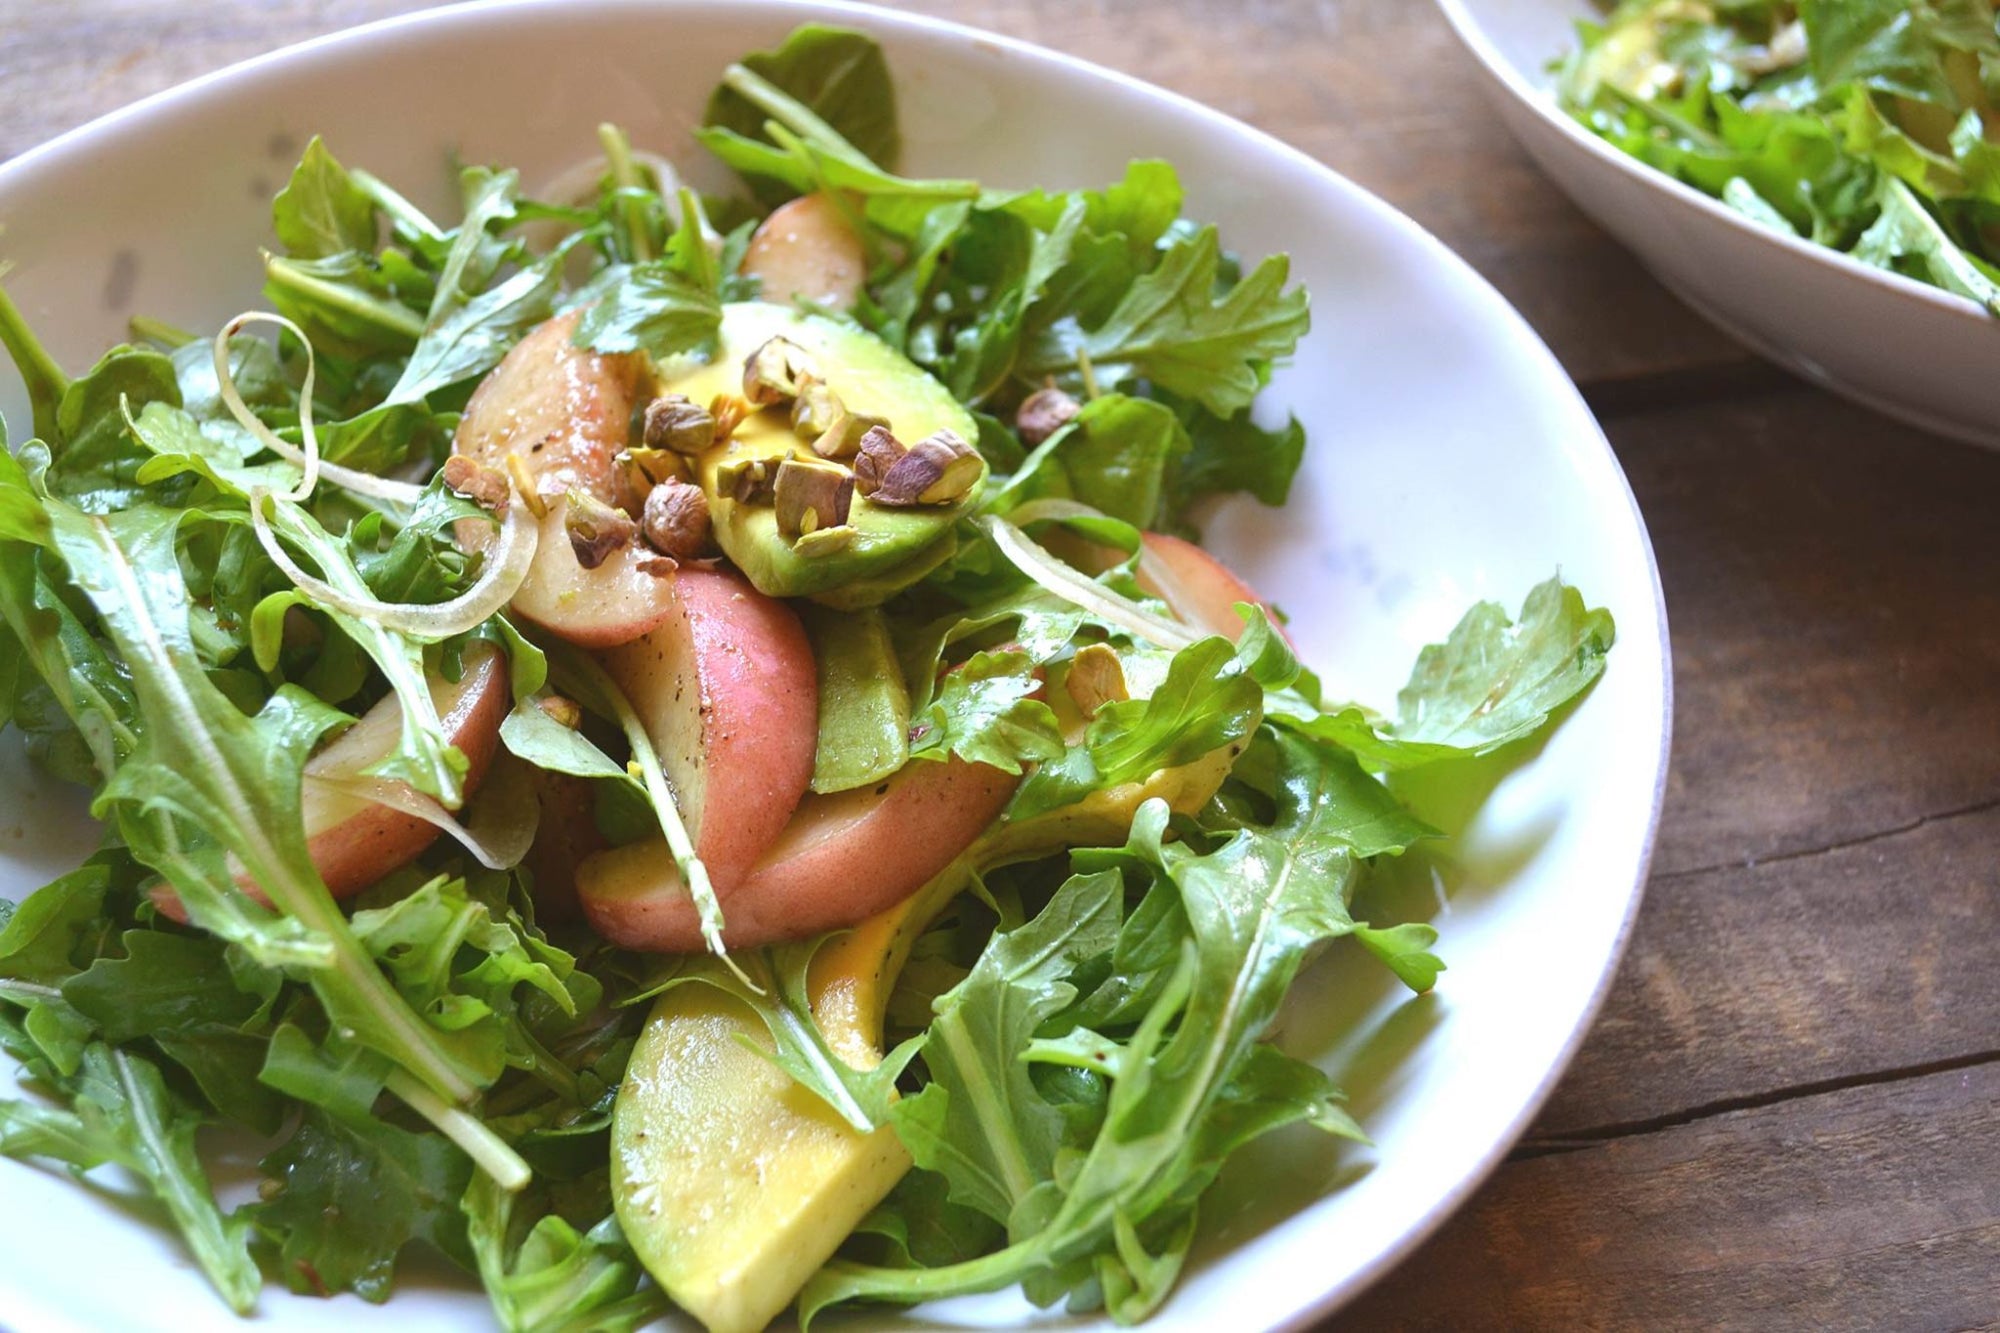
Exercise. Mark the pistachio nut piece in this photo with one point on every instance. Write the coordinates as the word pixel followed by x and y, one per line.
pixel 771 374
pixel 1043 413
pixel 824 541
pixel 485 486
pixel 1096 678
pixel 596 529
pixel 676 521
pixel 937 469
pixel 843 435
pixel 678 424
pixel 878 451
pixel 811 495
pixel 747 481
pixel 816 408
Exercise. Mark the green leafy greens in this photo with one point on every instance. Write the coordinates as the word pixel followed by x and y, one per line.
pixel 1869 126
pixel 437 1063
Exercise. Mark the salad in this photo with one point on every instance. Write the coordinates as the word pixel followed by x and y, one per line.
pixel 679 751
pixel 1868 126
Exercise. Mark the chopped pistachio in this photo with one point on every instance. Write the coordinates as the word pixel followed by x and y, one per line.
pixel 485 486
pixel 1095 679
pixel 524 484
pixel 1043 413
pixel 596 529
pixel 815 408
pixel 747 481
pixel 811 495
pixel 843 435
pixel 771 374
pixel 728 411
pixel 648 468
pixel 824 541
pixel 564 711
pixel 877 453
pixel 678 424
pixel 937 469
pixel 676 521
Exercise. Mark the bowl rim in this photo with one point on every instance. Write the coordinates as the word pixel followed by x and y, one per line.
pixel 18 172
pixel 1472 35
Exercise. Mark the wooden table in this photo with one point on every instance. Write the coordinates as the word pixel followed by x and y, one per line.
pixel 1789 1114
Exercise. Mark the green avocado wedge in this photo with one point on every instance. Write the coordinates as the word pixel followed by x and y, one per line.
pixel 891 548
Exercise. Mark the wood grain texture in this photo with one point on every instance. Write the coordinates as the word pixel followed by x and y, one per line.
pixel 1833 584
pixel 1867 1208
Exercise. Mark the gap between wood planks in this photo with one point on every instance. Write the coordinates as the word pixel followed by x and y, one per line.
pixel 1582 1140
pixel 1843 844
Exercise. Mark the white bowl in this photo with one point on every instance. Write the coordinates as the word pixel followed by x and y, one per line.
pixel 1911 350
pixel 1452 461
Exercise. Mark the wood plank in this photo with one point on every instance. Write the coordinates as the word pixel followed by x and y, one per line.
pixel 1743 982
pixel 1872 1207
pixel 1378 90
pixel 1833 586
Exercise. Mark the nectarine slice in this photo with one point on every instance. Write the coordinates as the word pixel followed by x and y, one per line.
pixel 566 411
pixel 354 841
pixel 1201 590
pixel 808 251
pixel 841 859
pixel 726 688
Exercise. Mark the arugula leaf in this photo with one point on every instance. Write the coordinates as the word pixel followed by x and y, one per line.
pixel 1116 1224
pixel 349 1195
pixel 1895 46
pixel 163 984
pixel 47 929
pixel 1170 328
pixel 1115 456
pixel 1492 682
pixel 837 74
pixel 322 212
pixel 986 712
pixel 93 460
pixel 995 1139
pixel 122 1111
pixel 555 1279
pixel 1906 236
pixel 650 307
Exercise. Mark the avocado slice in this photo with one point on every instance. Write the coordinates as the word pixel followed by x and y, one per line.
pixel 890 548
pixel 732 1183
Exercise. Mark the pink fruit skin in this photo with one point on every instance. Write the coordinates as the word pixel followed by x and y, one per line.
pixel 727 690
pixel 842 859
pixel 360 849
pixel 1201 589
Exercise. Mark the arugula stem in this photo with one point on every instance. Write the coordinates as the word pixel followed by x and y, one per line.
pixel 411 1043
pixel 401 211
pixel 396 319
pixel 788 111
pixel 26 992
pixel 694 874
pixel 169 336
pixel 487 1150
pixel 44 378
pixel 625 175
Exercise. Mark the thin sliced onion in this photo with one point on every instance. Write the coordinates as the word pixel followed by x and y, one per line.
pixel 506 569
pixel 1152 569
pixel 1078 590
pixel 308 459
pixel 405 799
